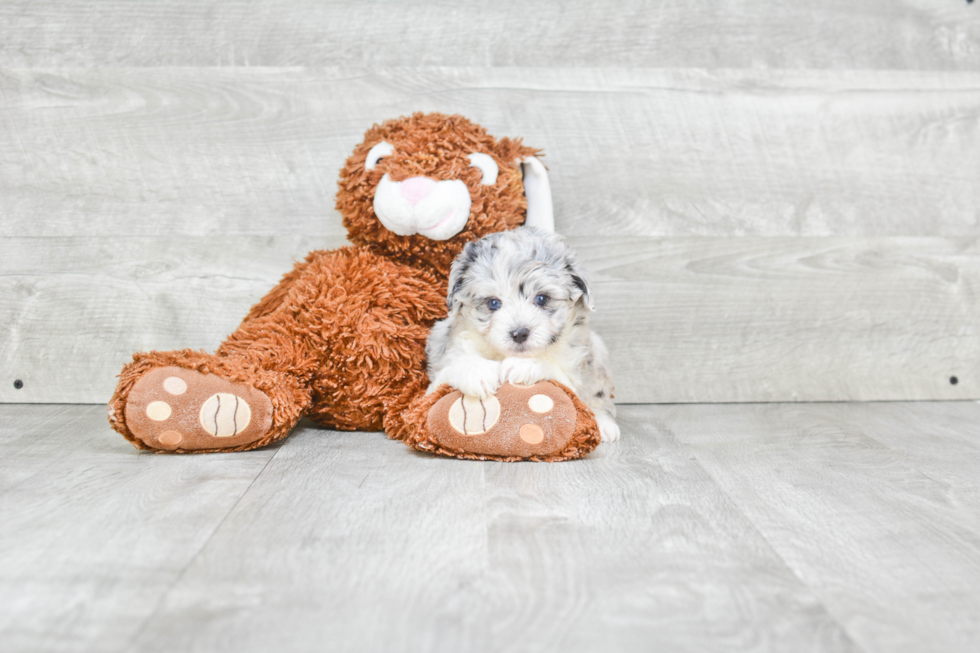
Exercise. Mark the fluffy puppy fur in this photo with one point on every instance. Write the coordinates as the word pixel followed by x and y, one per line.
pixel 519 307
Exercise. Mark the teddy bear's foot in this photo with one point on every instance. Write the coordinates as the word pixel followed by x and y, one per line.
pixel 521 422
pixel 176 409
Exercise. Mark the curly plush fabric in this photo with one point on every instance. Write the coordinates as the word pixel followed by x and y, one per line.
pixel 437 147
pixel 341 338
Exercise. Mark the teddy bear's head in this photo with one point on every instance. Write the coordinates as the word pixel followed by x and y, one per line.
pixel 419 188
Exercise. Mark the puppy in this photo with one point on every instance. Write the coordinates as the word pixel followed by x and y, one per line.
pixel 519 309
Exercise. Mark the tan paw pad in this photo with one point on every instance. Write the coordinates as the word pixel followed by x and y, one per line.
pixel 175 385
pixel 158 411
pixel 541 404
pixel 531 433
pixel 225 415
pixel 473 416
pixel 170 438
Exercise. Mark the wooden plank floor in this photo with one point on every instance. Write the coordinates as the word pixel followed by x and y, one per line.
pixel 783 527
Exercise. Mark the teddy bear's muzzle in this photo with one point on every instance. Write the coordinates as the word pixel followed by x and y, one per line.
pixel 435 209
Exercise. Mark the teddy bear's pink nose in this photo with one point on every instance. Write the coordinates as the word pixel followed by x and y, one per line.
pixel 417 189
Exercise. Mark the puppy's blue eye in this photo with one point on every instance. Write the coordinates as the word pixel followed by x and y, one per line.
pixel 493 304
pixel 541 300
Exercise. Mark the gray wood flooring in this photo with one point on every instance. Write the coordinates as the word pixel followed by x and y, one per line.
pixel 752 527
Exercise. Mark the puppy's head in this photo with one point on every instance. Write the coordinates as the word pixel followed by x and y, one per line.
pixel 521 290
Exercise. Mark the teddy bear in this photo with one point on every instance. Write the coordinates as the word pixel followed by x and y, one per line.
pixel 341 339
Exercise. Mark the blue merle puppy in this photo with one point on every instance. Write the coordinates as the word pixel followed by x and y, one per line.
pixel 519 306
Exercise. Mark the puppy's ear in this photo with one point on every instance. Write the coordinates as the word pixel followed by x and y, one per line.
pixel 580 281
pixel 457 274
pixel 582 284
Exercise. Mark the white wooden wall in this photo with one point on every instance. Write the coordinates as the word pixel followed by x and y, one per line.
pixel 779 201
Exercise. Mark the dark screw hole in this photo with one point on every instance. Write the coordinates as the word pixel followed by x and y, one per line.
pixel 953 380
pixel 18 384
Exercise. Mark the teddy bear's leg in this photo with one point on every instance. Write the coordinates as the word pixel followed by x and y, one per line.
pixel 339 338
pixel 187 401
pixel 250 393
pixel 541 422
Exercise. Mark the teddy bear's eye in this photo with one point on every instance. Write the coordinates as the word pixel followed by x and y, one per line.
pixel 487 166
pixel 493 304
pixel 541 300
pixel 378 152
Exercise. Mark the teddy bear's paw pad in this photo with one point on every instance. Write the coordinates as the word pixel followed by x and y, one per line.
pixel 176 409
pixel 520 421
pixel 474 416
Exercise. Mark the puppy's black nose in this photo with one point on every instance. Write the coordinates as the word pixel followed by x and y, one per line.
pixel 520 335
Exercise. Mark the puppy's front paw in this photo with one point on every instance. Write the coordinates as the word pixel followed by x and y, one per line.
pixel 522 371
pixel 476 377
pixel 608 427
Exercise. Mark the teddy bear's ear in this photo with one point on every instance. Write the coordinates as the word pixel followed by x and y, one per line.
pixel 537 190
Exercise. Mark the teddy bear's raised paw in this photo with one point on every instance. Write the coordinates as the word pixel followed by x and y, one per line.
pixel 520 422
pixel 176 409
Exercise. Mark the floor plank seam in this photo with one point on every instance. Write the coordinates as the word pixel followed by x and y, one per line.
pixel 163 596
pixel 50 462
pixel 755 527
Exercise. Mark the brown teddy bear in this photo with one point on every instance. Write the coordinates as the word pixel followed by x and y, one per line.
pixel 342 338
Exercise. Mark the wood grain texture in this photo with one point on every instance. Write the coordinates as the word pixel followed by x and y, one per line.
pixel 950 455
pixel 745 527
pixel 685 319
pixel 396 551
pixel 653 152
pixel 75 309
pixel 848 512
pixel 840 34
pixel 788 319
pixel 93 533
